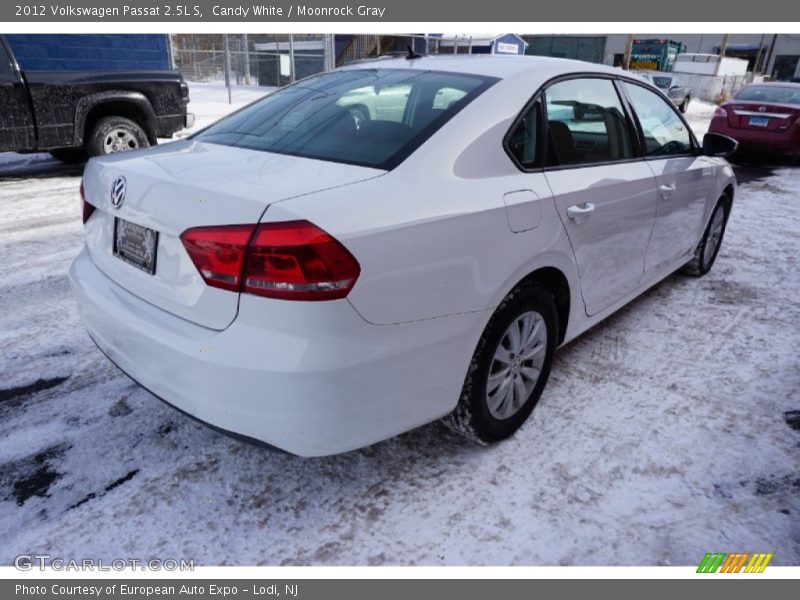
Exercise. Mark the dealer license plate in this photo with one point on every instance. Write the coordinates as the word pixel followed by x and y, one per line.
pixel 136 245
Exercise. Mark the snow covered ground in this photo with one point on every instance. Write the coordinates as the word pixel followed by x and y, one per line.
pixel 668 431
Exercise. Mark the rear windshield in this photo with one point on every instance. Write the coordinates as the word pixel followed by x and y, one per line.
pixel 662 82
pixel 369 117
pixel 764 93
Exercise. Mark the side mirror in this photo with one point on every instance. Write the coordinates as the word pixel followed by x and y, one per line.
pixel 715 144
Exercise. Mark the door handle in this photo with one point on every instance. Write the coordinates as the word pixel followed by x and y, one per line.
pixel 579 213
pixel 666 189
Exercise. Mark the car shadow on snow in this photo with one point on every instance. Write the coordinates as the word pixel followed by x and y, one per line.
pixel 39 165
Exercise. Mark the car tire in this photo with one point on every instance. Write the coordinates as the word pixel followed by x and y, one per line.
pixel 481 414
pixel 115 134
pixel 706 252
pixel 684 105
pixel 71 156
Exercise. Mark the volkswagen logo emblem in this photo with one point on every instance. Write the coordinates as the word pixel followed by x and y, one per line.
pixel 118 189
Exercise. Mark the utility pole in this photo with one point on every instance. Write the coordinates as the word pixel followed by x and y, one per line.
pixel 330 52
pixel 227 49
pixel 291 58
pixel 723 47
pixel 757 66
pixel 626 60
pixel 769 54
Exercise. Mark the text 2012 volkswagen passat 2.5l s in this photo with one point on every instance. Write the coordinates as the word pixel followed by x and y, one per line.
pixel 391 243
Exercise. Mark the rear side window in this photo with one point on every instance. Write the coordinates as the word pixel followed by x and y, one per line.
pixel 368 117
pixel 665 133
pixel 522 142
pixel 586 123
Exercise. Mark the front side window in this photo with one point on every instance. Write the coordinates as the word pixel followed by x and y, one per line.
pixel 665 133
pixel 368 117
pixel 586 123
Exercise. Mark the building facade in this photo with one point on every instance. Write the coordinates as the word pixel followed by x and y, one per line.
pixel 775 55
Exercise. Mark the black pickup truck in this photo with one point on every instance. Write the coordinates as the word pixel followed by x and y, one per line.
pixel 72 114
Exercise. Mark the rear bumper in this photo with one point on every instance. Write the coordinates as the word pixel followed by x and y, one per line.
pixel 311 378
pixel 787 143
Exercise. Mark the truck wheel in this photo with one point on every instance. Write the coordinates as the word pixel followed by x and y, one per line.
pixel 71 156
pixel 115 134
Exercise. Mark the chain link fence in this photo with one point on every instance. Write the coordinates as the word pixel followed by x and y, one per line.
pixel 262 60
pixel 273 60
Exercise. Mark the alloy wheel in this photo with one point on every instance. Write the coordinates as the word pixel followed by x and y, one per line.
pixel 714 236
pixel 516 365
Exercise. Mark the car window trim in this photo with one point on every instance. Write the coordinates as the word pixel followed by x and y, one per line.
pixel 640 130
pixel 541 149
pixel 637 153
pixel 529 105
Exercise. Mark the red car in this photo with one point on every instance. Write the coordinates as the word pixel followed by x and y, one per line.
pixel 762 117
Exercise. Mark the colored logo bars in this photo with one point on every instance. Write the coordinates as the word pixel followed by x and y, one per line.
pixel 734 563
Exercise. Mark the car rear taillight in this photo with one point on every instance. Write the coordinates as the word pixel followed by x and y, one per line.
pixel 291 260
pixel 218 253
pixel 720 112
pixel 296 260
pixel 88 209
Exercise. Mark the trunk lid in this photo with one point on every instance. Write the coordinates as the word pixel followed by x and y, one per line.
pixel 762 116
pixel 188 184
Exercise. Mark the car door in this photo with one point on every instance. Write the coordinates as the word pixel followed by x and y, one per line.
pixel 604 193
pixel 683 177
pixel 16 120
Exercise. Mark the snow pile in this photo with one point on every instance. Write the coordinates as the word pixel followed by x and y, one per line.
pixel 699 116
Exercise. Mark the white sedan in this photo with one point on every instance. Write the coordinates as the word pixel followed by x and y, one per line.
pixel 394 242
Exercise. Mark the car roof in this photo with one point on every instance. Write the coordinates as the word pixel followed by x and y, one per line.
pixel 492 65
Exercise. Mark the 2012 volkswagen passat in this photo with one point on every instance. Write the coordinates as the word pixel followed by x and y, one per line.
pixel 393 242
